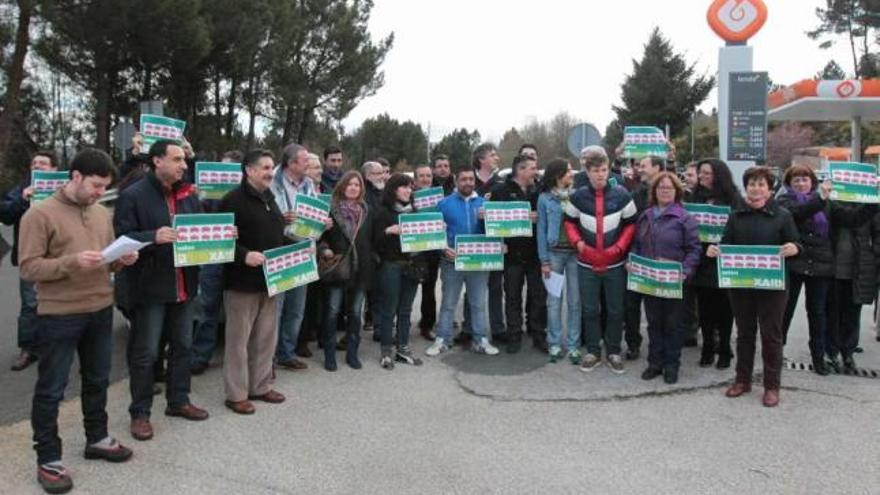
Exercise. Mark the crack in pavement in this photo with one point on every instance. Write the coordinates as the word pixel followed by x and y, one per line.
pixel 644 395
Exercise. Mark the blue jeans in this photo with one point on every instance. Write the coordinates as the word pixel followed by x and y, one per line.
pixel 565 262
pixel 61 337
pixel 291 312
pixel 613 284
pixel 27 316
pixel 210 305
pixel 398 294
pixel 149 322
pixel 477 284
pixel 495 288
pixel 335 296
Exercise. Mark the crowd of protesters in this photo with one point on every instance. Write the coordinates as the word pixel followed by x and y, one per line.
pixel 586 220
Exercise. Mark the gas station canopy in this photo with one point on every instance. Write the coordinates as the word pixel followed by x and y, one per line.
pixel 820 101
pixel 828 101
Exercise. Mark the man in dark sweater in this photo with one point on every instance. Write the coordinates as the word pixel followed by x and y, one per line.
pixel 251 315
pixel 163 295
pixel 13 206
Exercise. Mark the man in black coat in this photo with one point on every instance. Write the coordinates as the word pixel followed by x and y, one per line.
pixel 251 315
pixel 163 295
pixel 521 264
pixel 12 207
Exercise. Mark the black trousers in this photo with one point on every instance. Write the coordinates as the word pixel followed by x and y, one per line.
pixel 516 276
pixel 665 335
pixel 716 321
pixel 429 296
pixel 632 319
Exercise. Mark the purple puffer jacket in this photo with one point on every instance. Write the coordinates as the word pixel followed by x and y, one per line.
pixel 672 236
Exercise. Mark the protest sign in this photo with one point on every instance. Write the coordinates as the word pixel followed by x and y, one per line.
pixel 478 253
pixel 422 232
pixel 751 267
pixel 204 239
pixel 289 267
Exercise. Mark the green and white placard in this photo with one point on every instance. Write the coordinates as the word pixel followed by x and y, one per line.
pixel 326 197
pixel 654 278
pixel 45 183
pixel 156 127
pixel 478 253
pixel 422 232
pixel 204 239
pixel 751 267
pixel 289 267
pixel 639 142
pixel 310 215
pixel 508 219
pixel 711 220
pixel 426 200
pixel 854 182
pixel 215 179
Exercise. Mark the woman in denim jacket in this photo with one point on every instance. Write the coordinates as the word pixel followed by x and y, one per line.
pixel 559 256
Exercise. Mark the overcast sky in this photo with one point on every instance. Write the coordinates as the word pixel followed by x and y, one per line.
pixel 494 64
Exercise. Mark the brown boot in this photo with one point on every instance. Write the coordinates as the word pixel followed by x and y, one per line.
pixel 24 360
pixel 141 429
pixel 738 389
pixel 241 406
pixel 771 397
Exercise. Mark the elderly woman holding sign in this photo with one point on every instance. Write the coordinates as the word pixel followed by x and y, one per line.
pixel 666 232
pixel 760 222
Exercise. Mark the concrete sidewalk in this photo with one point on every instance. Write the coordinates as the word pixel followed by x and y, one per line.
pixel 478 424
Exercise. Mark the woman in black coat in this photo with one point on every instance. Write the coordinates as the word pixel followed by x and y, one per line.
pixel 349 268
pixel 715 187
pixel 759 222
pixel 399 272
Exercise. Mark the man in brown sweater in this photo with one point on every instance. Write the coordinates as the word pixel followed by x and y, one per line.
pixel 60 250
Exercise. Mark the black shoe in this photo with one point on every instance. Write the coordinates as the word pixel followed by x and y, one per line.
pixel 690 342
pixel 650 373
pixel 632 354
pixel 858 350
pixel 834 364
pixel 849 364
pixel 116 453
pixel 707 361
pixel 820 368
pixel 354 363
pixel 723 362
pixel 670 376
pixel 540 343
pixel 198 369
pixel 514 344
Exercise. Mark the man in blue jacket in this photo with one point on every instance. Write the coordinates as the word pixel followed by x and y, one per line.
pixel 13 206
pixel 163 294
pixel 461 213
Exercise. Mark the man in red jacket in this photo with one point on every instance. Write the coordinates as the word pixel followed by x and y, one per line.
pixel 600 223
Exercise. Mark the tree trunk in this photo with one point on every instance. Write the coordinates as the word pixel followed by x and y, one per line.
pixel 287 128
pixel 148 84
pixel 14 77
pixel 218 107
pixel 230 106
pixel 852 42
pixel 304 119
pixel 252 110
pixel 102 111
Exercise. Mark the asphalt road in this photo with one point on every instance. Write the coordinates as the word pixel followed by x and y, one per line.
pixel 475 424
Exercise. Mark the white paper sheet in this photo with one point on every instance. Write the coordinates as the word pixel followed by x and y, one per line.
pixel 554 284
pixel 121 247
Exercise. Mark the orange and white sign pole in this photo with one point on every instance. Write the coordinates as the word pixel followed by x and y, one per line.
pixel 735 21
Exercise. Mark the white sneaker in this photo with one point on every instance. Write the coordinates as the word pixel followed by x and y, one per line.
pixel 437 347
pixel 484 347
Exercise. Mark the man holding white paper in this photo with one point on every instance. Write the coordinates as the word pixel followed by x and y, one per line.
pixel 61 242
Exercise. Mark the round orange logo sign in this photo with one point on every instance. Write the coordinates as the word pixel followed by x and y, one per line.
pixel 737 20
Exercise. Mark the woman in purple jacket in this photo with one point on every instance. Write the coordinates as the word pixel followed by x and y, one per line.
pixel 666 232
